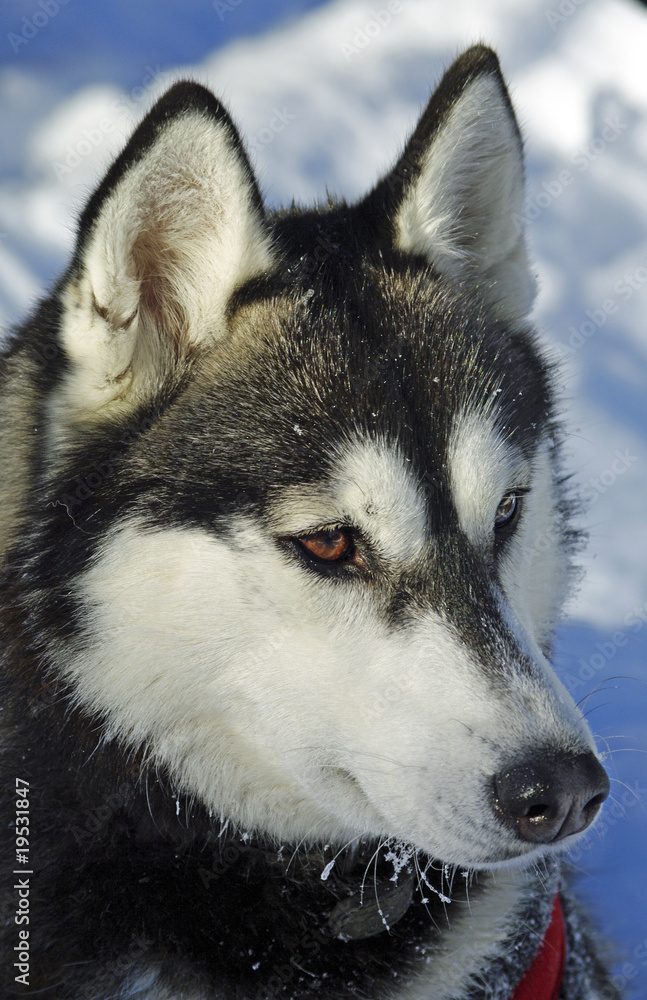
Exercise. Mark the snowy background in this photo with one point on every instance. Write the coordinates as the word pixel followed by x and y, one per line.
pixel 325 93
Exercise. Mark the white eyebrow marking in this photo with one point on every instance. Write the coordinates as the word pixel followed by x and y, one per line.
pixel 376 484
pixel 372 487
pixel 482 466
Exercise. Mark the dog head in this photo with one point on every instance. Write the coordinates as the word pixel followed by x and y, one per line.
pixel 305 506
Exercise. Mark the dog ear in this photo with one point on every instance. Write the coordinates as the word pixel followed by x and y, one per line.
pixel 456 195
pixel 175 226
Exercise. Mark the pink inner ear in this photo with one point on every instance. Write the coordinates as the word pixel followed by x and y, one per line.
pixel 150 294
pixel 155 299
pixel 159 305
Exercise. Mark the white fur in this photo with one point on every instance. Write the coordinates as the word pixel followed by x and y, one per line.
pixel 533 570
pixel 284 702
pixel 462 211
pixel 483 467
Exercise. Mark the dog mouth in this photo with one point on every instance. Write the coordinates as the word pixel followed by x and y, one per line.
pixel 537 807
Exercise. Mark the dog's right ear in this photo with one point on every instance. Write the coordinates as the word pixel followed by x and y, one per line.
pixel 456 195
pixel 174 228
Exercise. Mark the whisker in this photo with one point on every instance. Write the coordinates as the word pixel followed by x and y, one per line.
pixel 605 680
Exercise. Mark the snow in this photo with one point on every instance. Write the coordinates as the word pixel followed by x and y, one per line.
pixel 325 94
pixel 327 870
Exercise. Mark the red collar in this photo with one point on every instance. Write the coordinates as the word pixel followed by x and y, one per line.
pixel 543 979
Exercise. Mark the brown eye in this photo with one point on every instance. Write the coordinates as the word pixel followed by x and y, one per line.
pixel 506 510
pixel 329 546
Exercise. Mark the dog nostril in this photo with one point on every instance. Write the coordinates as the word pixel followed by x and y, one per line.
pixel 551 796
pixel 592 807
pixel 538 811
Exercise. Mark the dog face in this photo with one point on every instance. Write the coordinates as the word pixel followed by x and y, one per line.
pixel 318 565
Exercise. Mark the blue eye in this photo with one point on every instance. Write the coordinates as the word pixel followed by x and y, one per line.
pixel 507 510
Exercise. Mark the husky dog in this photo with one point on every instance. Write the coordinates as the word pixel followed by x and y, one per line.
pixel 285 540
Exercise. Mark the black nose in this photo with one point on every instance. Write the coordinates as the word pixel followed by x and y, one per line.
pixel 551 795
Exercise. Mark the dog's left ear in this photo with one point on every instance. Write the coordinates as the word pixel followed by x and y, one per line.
pixel 456 195
pixel 176 226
